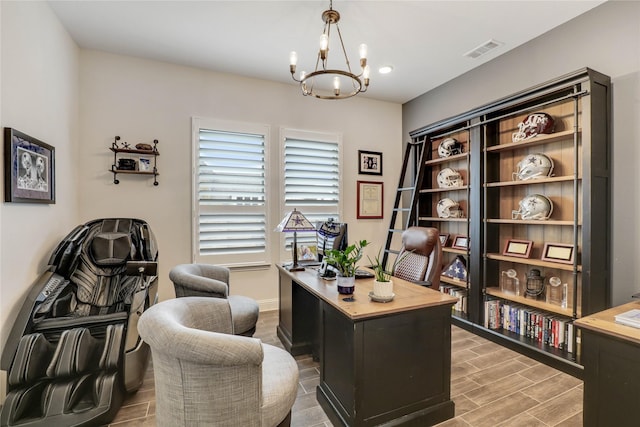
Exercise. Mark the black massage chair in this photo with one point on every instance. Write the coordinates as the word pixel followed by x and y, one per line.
pixel 74 351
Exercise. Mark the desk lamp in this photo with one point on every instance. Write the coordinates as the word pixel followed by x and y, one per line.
pixel 295 221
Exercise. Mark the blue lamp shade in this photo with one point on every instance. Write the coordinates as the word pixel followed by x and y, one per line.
pixel 295 221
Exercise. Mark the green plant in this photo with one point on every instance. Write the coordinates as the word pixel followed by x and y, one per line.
pixel 346 260
pixel 382 275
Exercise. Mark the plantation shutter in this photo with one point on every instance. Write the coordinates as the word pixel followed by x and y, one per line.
pixel 230 189
pixel 311 178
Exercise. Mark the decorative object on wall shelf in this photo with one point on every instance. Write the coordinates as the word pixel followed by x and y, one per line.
pixel 558 252
pixel 29 169
pixel 518 248
pixel 535 124
pixel 535 206
pixel 444 238
pixel 461 242
pixel 370 162
pixel 138 162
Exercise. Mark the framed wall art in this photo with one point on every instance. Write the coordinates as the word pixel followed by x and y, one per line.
pixel 29 169
pixel 558 252
pixel 518 248
pixel 370 162
pixel 369 196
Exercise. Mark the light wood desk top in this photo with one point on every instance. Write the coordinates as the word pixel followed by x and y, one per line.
pixel 408 296
pixel 604 322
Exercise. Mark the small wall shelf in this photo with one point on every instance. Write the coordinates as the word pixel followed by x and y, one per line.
pixel 139 165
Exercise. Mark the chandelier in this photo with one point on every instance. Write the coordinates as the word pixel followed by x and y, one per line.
pixel 324 82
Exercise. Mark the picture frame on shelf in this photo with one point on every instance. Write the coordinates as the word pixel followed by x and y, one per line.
pixel 558 252
pixel 460 242
pixel 370 199
pixel 444 238
pixel 29 169
pixel 518 248
pixel 370 162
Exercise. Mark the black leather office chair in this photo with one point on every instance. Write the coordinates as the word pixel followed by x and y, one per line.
pixel 74 350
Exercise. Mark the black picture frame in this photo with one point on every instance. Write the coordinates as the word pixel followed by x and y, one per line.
pixel 29 169
pixel 369 162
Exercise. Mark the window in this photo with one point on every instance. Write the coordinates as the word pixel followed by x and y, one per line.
pixel 311 182
pixel 230 192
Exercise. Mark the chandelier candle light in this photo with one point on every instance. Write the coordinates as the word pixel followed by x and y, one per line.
pixel 320 89
pixel 295 221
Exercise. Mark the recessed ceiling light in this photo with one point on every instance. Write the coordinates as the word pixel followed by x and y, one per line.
pixel 385 69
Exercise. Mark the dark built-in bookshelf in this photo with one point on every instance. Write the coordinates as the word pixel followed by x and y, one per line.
pixel 564 259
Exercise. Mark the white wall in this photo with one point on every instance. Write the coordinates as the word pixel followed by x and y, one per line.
pixel 39 93
pixel 606 39
pixel 141 100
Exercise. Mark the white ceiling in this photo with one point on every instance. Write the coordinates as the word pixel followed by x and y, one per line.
pixel 423 40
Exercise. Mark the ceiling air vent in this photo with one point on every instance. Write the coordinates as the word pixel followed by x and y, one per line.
pixel 482 49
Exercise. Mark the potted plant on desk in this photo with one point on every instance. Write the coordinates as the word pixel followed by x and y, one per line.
pixel 345 261
pixel 383 285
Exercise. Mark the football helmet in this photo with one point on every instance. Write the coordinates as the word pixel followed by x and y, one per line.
pixel 449 147
pixel 533 125
pixel 448 177
pixel 534 206
pixel 447 208
pixel 534 166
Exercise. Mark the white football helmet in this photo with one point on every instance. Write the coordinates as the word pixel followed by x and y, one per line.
pixel 534 166
pixel 447 208
pixel 534 206
pixel 448 177
pixel 449 147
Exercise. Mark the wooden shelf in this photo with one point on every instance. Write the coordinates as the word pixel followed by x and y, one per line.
pixel 441 160
pixel 443 190
pixel 134 151
pixel 455 282
pixel 529 222
pixel 533 261
pixel 542 305
pixel 531 181
pixel 454 251
pixel 538 140
pixel 432 218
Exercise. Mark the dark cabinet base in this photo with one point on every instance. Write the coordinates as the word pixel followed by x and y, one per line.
pixel 611 381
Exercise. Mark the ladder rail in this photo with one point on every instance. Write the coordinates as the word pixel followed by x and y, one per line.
pixel 415 155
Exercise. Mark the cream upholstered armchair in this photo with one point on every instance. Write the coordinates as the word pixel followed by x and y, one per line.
pixel 206 376
pixel 206 280
pixel 423 262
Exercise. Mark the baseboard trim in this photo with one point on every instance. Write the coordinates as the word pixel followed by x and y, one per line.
pixel 268 304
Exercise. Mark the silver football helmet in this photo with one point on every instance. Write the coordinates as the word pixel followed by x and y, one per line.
pixel 448 177
pixel 447 208
pixel 449 147
pixel 534 166
pixel 534 206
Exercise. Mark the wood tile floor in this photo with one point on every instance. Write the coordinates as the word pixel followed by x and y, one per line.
pixel 490 385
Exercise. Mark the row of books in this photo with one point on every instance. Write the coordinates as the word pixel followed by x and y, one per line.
pixel 540 326
pixel 459 293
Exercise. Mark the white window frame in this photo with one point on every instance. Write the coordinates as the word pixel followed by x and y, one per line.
pixel 330 137
pixel 230 260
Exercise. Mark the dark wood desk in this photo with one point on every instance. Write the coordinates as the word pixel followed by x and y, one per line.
pixel 380 363
pixel 611 360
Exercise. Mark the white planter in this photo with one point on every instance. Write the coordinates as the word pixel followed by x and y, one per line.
pixel 383 289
